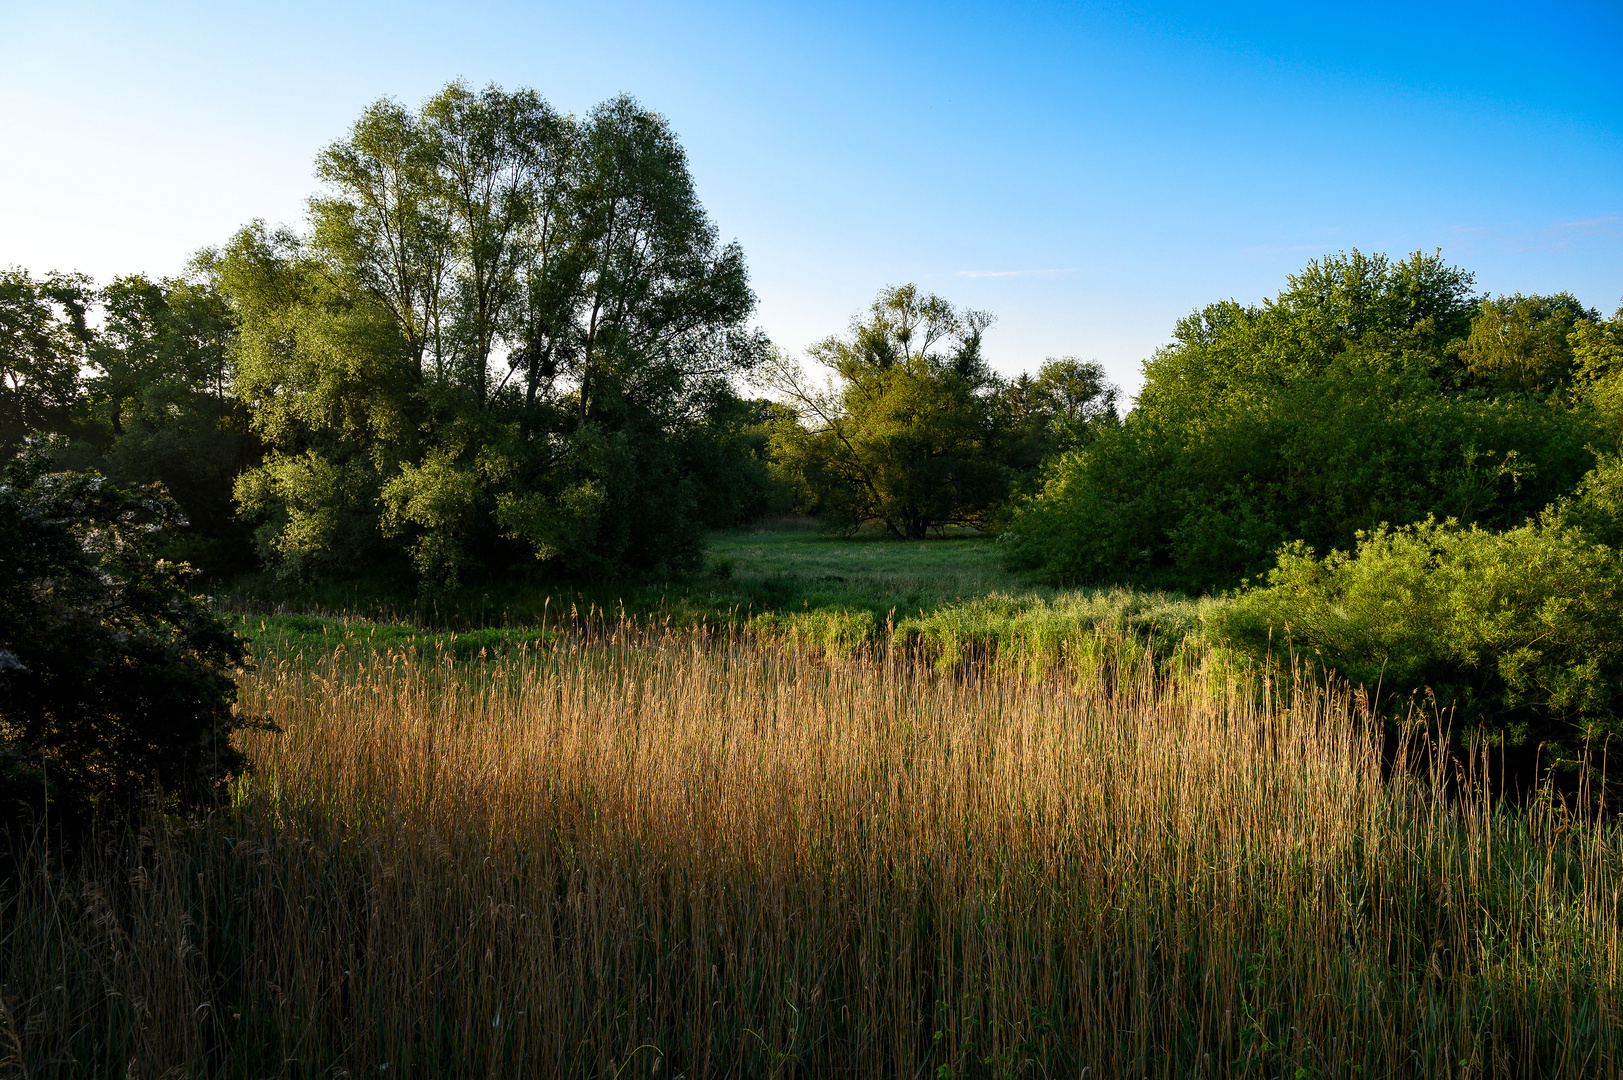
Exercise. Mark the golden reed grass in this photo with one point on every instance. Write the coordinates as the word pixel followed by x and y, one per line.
pixel 686 859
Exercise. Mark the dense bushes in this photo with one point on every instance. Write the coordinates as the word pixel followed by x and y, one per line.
pixel 1365 393
pixel 114 681
pixel 1198 507
pixel 1519 631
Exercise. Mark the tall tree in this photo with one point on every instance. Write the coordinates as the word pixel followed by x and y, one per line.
pixel 657 300
pixel 381 227
pixel 501 165
pixel 487 230
pixel 907 439
pixel 43 335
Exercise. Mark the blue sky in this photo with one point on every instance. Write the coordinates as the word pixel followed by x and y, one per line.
pixel 1089 172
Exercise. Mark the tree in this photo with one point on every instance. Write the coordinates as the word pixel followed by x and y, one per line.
pixel 727 455
pixel 160 386
pixel 1339 404
pixel 43 334
pixel 329 380
pixel 908 438
pixel 114 680
pixel 1351 310
pixel 490 344
pixel 502 165
pixel 1520 343
pixel 379 229
pixel 657 302
pixel 1597 352
pixel 1059 409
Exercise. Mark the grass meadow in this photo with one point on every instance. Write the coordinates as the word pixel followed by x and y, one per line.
pixel 947 600
pixel 746 573
pixel 639 852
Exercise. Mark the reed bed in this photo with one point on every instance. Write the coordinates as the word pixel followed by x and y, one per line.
pixel 686 858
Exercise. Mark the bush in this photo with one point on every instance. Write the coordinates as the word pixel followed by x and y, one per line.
pixel 1520 631
pixel 113 679
pixel 1340 404
pixel 1198 506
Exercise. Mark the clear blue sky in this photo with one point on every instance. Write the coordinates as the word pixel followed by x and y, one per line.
pixel 1089 172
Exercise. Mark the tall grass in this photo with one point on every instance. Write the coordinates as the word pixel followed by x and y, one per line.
pixel 676 858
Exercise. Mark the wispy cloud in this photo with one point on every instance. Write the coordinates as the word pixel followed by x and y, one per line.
pixel 1560 236
pixel 1599 224
pixel 1016 273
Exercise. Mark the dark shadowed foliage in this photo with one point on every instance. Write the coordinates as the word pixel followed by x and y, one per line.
pixel 115 682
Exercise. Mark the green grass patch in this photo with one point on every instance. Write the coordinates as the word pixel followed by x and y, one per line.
pixel 745 574
pixel 947 598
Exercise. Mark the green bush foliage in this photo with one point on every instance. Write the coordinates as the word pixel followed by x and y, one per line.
pixel 1520 632
pixel 1369 391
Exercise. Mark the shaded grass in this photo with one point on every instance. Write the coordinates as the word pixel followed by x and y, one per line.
pixel 745 574
pixel 278 636
pixel 872 573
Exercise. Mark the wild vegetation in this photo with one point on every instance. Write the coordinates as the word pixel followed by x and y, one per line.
pixel 1367 392
pixel 915 440
pixel 661 856
pixel 553 706
pixel 114 679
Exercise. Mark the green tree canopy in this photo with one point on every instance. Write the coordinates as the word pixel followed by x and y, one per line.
pixel 907 438
pixel 1061 408
pixel 160 396
pixel 43 334
pixel 500 328
pixel 1367 391
pixel 1522 342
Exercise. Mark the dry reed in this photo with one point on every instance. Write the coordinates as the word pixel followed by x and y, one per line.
pixel 622 859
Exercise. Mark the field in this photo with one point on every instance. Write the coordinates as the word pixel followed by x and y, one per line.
pixel 871 571
pixel 946 600
pixel 746 572
pixel 612 848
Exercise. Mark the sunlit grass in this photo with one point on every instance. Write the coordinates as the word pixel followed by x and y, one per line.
pixel 616 856
pixel 869 571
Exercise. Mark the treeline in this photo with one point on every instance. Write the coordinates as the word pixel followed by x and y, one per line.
pixel 504 335
pixel 1368 391
pixel 507 337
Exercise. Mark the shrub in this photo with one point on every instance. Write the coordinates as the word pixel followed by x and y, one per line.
pixel 1520 631
pixel 113 679
pixel 1341 403
pixel 1199 505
